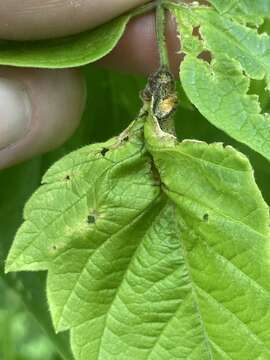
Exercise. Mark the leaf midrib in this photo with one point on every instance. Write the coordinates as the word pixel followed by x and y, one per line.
pixel 196 300
pixel 126 270
pixel 129 224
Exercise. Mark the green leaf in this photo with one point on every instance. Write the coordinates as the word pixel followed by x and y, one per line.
pixel 223 226
pixel 20 335
pixel 245 45
pixel 72 200
pixel 18 183
pixel 220 94
pixel 192 125
pixel 220 89
pixel 153 248
pixel 65 52
pixel 248 10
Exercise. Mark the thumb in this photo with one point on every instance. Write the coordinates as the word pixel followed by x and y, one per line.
pixel 41 19
pixel 39 110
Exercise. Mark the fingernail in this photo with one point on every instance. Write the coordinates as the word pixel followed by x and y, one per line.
pixel 15 112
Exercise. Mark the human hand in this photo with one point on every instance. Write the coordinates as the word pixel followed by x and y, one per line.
pixel 40 109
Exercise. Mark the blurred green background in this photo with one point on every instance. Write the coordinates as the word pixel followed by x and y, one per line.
pixel 25 327
pixel 21 337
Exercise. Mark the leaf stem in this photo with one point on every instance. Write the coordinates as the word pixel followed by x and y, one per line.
pixel 161 35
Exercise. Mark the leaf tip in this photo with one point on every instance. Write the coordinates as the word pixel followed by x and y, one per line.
pixel 10 266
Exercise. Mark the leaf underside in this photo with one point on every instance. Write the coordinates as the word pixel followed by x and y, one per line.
pixel 154 249
pixel 75 50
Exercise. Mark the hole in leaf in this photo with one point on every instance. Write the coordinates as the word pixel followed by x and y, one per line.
pixel 104 151
pixel 265 27
pixel 196 32
pixel 206 56
pixel 258 88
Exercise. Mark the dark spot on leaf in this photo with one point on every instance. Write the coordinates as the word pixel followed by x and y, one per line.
pixel 104 151
pixel 205 217
pixel 91 219
pixel 126 138
pixel 67 177
pixel 54 247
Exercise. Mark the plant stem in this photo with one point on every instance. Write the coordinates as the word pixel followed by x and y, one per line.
pixel 161 35
pixel 144 9
pixel 160 27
